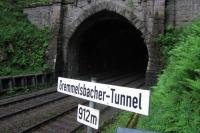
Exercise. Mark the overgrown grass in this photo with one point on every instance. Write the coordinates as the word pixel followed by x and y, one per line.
pixel 176 97
pixel 120 121
pixel 23 43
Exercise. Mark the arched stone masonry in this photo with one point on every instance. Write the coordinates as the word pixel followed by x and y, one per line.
pixel 126 12
pixel 148 16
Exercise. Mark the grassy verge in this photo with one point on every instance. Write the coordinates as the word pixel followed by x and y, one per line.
pixel 120 121
pixel 175 99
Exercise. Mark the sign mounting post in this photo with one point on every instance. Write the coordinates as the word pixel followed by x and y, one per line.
pixel 130 99
pixel 92 105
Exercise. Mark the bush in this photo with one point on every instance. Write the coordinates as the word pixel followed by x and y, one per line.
pixel 175 99
pixel 24 44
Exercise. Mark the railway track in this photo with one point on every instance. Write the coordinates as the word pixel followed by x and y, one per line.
pixel 37 111
pixel 108 114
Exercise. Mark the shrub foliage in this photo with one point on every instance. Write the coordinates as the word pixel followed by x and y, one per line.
pixel 24 44
pixel 176 97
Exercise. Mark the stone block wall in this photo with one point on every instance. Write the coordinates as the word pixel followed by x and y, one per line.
pixel 182 12
pixel 40 16
pixel 48 16
pixel 64 16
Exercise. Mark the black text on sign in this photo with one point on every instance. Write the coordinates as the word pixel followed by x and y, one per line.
pixel 88 116
pixel 130 99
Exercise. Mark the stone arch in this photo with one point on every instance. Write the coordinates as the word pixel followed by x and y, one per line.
pixel 112 6
pixel 93 8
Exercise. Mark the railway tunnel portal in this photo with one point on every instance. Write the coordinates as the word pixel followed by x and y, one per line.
pixel 106 37
pixel 100 35
pixel 104 42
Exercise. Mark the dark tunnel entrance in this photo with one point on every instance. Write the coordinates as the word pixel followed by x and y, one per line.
pixel 106 42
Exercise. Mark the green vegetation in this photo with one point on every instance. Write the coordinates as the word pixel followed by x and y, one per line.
pixel 167 42
pixel 176 97
pixel 22 3
pixel 120 121
pixel 22 43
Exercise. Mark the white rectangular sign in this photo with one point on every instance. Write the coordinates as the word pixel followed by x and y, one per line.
pixel 88 116
pixel 130 99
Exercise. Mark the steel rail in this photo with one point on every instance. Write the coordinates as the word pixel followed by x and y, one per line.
pixel 40 124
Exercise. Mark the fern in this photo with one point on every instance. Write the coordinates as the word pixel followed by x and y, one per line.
pixel 175 99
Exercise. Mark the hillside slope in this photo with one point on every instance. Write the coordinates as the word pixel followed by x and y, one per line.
pixel 22 45
pixel 175 99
